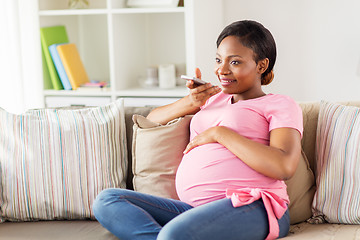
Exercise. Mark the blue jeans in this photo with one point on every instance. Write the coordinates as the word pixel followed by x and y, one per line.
pixel 133 215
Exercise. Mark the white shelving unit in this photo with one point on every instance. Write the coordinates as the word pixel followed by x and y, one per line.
pixel 117 45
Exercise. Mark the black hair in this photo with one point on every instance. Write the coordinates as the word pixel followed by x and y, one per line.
pixel 255 36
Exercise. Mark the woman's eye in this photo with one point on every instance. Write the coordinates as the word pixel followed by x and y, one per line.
pixel 235 62
pixel 217 60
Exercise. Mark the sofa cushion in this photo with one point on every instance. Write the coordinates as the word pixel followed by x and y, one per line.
pixel 323 232
pixel 54 162
pixel 157 153
pixel 338 164
pixel 310 119
pixel 301 189
pixel 55 230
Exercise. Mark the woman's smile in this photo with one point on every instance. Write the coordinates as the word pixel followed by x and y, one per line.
pixel 227 81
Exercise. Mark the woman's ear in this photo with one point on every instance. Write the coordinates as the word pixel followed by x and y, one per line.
pixel 262 65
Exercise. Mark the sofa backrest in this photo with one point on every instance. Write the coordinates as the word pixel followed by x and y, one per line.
pixel 129 112
pixel 310 118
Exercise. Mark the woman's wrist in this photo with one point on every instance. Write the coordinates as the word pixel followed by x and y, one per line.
pixel 219 133
pixel 190 104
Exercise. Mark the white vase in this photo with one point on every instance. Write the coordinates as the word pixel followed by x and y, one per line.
pixel 167 77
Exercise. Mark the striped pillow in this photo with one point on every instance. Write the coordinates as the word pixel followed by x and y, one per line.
pixel 54 162
pixel 338 164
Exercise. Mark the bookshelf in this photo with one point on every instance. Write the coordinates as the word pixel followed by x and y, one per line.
pixel 117 45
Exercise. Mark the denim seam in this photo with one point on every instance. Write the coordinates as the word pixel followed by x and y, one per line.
pixel 148 216
pixel 141 200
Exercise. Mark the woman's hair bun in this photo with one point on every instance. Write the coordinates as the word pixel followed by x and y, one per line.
pixel 266 79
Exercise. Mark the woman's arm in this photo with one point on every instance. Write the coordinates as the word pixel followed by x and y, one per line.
pixel 166 113
pixel 186 106
pixel 279 160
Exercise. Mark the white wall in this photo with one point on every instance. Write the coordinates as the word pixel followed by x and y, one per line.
pixel 318 45
pixel 204 22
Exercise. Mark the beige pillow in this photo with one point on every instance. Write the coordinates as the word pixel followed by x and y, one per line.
pixel 157 152
pixel 301 190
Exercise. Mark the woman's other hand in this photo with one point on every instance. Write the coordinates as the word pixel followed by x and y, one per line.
pixel 208 136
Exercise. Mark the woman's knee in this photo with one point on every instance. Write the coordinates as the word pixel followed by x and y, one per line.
pixel 181 227
pixel 105 199
pixel 173 232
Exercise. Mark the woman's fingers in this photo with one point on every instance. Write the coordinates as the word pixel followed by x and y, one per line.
pixel 192 144
pixel 208 136
pixel 206 90
pixel 197 73
pixel 215 90
pixel 188 148
pixel 199 94
pixel 201 88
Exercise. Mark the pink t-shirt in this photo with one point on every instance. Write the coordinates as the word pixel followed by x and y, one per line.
pixel 209 171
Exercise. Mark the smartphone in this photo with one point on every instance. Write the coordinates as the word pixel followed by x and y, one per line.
pixel 196 80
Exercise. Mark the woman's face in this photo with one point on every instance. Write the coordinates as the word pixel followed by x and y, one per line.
pixel 237 70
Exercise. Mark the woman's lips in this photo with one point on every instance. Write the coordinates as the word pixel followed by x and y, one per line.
pixel 226 81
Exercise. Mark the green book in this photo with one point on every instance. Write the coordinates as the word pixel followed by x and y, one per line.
pixel 49 36
pixel 46 74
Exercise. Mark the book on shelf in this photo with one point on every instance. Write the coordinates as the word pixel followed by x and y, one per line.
pixel 94 86
pixel 73 65
pixel 46 73
pixel 59 66
pixel 49 36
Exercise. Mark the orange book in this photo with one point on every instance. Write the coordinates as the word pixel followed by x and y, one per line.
pixel 73 65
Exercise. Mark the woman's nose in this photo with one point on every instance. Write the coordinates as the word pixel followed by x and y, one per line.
pixel 223 69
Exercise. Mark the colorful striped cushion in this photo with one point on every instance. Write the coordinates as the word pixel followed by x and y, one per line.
pixel 54 162
pixel 338 164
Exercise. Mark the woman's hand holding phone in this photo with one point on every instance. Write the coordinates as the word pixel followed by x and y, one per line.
pixel 187 105
pixel 200 92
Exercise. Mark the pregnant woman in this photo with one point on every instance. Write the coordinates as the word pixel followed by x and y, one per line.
pixel 243 144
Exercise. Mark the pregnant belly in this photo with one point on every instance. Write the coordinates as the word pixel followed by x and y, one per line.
pixel 207 171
